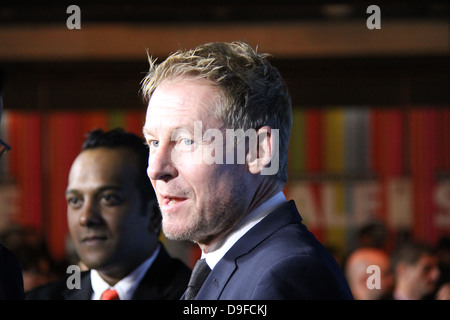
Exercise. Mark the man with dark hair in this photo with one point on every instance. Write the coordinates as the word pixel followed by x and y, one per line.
pixel 416 271
pixel 11 280
pixel 114 223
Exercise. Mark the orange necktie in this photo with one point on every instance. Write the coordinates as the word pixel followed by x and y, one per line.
pixel 110 294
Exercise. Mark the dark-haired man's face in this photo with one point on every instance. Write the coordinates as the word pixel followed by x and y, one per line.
pixel 105 210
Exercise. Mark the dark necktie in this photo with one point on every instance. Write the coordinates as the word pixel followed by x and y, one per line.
pixel 198 276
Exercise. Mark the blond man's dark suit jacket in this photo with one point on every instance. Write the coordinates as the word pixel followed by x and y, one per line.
pixel 166 279
pixel 277 259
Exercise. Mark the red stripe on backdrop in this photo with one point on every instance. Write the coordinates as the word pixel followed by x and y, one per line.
pixel 318 230
pixel 394 144
pixel 443 167
pixel 25 163
pixel 134 121
pixel 424 161
pixel 444 138
pixel 94 120
pixel 314 141
pixel 387 142
pixel 392 153
pixel 376 152
pixel 375 163
pixel 314 161
pixel 63 143
pixel 387 150
pixel 416 145
pixel 431 166
pixel 32 189
pixel 13 128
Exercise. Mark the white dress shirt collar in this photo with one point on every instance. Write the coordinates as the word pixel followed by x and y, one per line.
pixel 220 248
pixel 127 286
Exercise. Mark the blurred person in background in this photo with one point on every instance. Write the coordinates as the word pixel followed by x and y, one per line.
pixel 373 235
pixel 357 274
pixel 11 281
pixel 444 292
pixel 443 253
pixel 114 223
pixel 38 267
pixel 415 269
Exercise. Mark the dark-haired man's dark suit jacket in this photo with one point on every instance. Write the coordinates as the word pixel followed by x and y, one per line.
pixel 277 259
pixel 11 280
pixel 166 279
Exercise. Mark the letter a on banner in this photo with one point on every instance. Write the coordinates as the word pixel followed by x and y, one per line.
pixel 73 21
pixel 374 21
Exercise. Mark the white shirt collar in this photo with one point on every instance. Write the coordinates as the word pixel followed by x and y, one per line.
pixel 219 249
pixel 127 286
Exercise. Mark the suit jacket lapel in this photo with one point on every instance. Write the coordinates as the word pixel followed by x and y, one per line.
pixel 147 289
pixel 85 291
pixel 154 284
pixel 222 272
pixel 217 279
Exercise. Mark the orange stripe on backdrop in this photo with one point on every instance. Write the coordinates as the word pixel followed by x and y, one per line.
pixel 64 136
pixel 94 120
